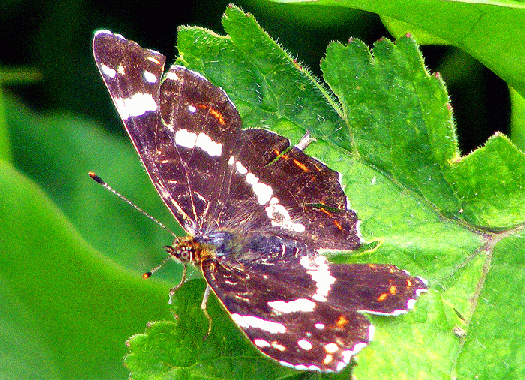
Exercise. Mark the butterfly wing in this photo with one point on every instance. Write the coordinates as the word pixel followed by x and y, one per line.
pixel 182 126
pixel 265 207
pixel 209 173
pixel 301 197
pixel 305 312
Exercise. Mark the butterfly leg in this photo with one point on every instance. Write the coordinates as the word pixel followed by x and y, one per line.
pixel 203 307
pixel 305 141
pixel 175 288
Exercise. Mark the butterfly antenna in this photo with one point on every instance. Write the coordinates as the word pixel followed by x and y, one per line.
pixel 152 271
pixel 100 181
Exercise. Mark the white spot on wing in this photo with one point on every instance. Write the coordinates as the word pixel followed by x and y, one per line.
pixel 191 140
pixel 153 59
pixel 150 77
pixel 192 108
pixel 278 346
pixel 208 145
pixel 250 321
pixel 108 71
pixel 304 344
pixel 319 326
pixel 280 217
pixel 240 168
pixel 136 105
pixel 261 343
pixel 185 138
pixel 299 305
pixel 331 348
pixel 319 269
pixel 347 356
pixel 172 75
pixel 277 213
pixel 263 191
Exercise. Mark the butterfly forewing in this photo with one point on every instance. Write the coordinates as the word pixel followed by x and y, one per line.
pixel 203 125
pixel 182 137
pixel 301 196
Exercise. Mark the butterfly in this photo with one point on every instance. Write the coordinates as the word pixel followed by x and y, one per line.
pixel 258 213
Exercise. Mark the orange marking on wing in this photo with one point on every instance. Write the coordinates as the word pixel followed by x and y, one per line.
pixel 393 289
pixel 300 165
pixel 341 321
pixel 326 211
pixel 217 115
pixel 382 297
pixel 338 225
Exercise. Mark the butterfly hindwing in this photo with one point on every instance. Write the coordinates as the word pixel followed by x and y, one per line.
pixel 310 310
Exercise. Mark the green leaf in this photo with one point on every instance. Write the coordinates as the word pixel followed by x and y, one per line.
pixel 400 28
pixel 479 28
pixel 491 185
pixel 518 119
pixel 493 348
pixel 398 113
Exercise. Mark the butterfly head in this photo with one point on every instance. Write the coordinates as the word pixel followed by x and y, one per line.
pixel 188 250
